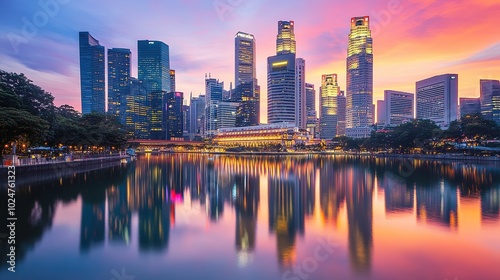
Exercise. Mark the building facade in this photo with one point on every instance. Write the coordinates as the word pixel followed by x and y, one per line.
pixel 300 93
pixel 281 94
pixel 118 81
pixel 359 86
pixel 381 113
pixel 172 80
pixel 341 113
pixel 398 107
pixel 490 100
pixel 470 106
pixel 213 96
pixel 154 65
pixel 312 119
pixel 246 90
pixel 175 116
pixel 437 99
pixel 328 105
pixel 136 110
pixel 196 113
pixel 285 134
pixel 92 77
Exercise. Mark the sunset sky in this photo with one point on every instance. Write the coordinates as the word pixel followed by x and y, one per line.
pixel 413 39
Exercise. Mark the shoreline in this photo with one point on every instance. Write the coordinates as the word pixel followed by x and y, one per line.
pixel 26 174
pixel 446 157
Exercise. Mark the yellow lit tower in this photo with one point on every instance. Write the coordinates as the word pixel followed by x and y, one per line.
pixel 359 95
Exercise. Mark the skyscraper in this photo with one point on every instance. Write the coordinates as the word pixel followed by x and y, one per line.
pixel 470 106
pixel 213 96
pixel 398 107
pixel 437 99
pixel 91 74
pixel 328 103
pixel 118 81
pixel 154 74
pixel 245 91
pixel 341 113
pixel 312 120
pixel 154 65
pixel 174 123
pixel 172 80
pixel 300 93
pixel 359 78
pixel 285 42
pixel 196 112
pixel 490 100
pixel 381 113
pixel 281 99
pixel 244 58
pixel 136 111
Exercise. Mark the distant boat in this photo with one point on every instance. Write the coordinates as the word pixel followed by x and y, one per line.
pixel 148 151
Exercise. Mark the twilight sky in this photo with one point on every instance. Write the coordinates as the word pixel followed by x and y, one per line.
pixel 413 39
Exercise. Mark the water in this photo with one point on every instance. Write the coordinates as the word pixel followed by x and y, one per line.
pixel 189 216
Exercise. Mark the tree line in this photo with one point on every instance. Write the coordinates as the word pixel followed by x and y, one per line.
pixel 28 116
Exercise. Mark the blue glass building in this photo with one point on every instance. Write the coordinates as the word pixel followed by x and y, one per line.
pixel 91 74
pixel 118 81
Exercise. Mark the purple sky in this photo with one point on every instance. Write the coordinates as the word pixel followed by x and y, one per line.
pixel 412 39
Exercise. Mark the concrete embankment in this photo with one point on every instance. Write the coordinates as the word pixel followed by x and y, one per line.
pixel 52 170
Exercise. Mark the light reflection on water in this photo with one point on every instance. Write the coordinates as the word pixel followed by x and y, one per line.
pixel 191 216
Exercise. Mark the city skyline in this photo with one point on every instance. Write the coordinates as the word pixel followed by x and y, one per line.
pixel 402 29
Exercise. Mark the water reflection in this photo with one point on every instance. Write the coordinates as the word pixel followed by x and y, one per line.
pixel 336 192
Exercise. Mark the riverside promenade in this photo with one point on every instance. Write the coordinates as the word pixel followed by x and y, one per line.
pixel 42 170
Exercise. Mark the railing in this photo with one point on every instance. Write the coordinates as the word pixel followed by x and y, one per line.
pixel 27 161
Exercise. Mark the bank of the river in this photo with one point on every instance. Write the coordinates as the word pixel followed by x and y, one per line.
pixel 451 157
pixel 49 170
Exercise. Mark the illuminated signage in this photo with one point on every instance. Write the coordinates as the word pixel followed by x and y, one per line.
pixel 280 63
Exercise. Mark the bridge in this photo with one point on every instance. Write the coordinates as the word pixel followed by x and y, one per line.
pixel 158 144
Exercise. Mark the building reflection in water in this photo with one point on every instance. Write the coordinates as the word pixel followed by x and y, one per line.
pixel 92 221
pixel 246 203
pixel 119 215
pixel 438 204
pixel 398 195
pixel 490 205
pixel 155 185
pixel 359 202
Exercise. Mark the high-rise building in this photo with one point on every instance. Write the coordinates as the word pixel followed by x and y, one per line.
pixel 490 100
pixel 381 121
pixel 437 99
pixel 118 81
pixel 359 79
pixel 157 117
pixel 470 106
pixel 92 78
pixel 245 92
pixel 154 65
pixel 285 41
pixel 213 96
pixel 300 93
pixel 281 88
pixel 136 111
pixel 328 103
pixel 341 113
pixel 398 107
pixel 226 114
pixel 172 80
pixel 281 79
pixel 312 119
pixel 244 58
pixel 249 106
pixel 196 113
pixel 174 112
pixel 185 119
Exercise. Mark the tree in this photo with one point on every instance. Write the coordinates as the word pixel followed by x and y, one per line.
pixel 20 124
